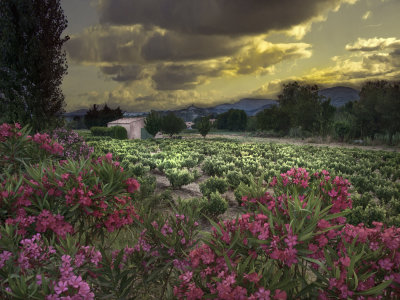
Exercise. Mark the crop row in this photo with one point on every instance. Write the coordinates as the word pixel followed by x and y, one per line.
pixel 374 175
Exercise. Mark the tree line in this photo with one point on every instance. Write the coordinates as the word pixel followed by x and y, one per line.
pixel 302 108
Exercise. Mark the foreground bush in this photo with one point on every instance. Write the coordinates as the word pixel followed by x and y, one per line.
pixel 45 204
pixel 73 144
pixel 18 148
pixel 295 244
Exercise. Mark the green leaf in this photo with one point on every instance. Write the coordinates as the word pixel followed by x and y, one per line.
pixel 376 290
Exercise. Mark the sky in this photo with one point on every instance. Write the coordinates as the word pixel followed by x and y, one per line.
pixel 169 54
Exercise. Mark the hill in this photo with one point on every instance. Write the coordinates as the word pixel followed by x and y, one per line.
pixel 339 96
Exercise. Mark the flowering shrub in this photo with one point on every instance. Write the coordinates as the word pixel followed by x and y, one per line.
pixel 73 144
pixel 32 269
pixel 293 244
pixel 89 195
pixel 156 257
pixel 44 205
pixel 17 147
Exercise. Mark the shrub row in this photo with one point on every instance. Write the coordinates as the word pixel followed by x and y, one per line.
pixel 116 132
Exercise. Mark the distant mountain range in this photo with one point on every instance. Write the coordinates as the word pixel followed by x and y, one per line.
pixel 339 96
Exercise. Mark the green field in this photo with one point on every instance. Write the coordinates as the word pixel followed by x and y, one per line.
pixel 374 175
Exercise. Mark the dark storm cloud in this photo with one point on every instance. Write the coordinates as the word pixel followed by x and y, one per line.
pixel 176 61
pixel 174 46
pixel 123 73
pixel 182 76
pixel 107 44
pixel 137 45
pixel 225 17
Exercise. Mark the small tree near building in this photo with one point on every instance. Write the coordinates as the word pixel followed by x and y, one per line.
pixel 172 124
pixel 204 126
pixel 152 123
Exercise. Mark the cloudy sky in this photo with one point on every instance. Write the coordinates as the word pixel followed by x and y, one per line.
pixel 167 54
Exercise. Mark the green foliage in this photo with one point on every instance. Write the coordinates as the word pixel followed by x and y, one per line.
pixel 214 205
pixel 138 169
pixel 152 123
pixel 234 178
pixel 147 186
pixel 180 177
pixel 100 131
pixel 215 167
pixel 212 185
pixel 251 124
pixel 233 120
pixel 116 132
pixel 32 62
pixel 305 107
pixel 254 189
pixel 274 118
pixel 300 106
pixel 204 126
pixel 371 213
pixel 342 130
pixel 378 110
pixel 101 117
pixel 171 124
pixel 119 132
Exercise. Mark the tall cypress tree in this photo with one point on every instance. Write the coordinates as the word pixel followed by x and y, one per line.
pixel 32 61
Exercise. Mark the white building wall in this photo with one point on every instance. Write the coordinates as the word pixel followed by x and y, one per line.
pixel 133 127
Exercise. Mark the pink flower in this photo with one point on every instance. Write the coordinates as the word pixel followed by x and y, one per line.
pixel 253 277
pixel 262 294
pixel 133 185
pixel 75 281
pixel 186 277
pixel 385 264
pixel 62 286
pixel 280 295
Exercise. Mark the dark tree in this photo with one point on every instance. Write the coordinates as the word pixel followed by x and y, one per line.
pixel 204 126
pixel 273 118
pixel 305 107
pixel 32 61
pixel 378 109
pixel 100 117
pixel 171 124
pixel 233 119
pixel 152 123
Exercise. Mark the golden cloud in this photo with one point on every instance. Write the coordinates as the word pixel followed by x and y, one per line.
pixel 373 44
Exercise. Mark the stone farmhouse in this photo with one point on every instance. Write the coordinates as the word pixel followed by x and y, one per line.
pixel 134 126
